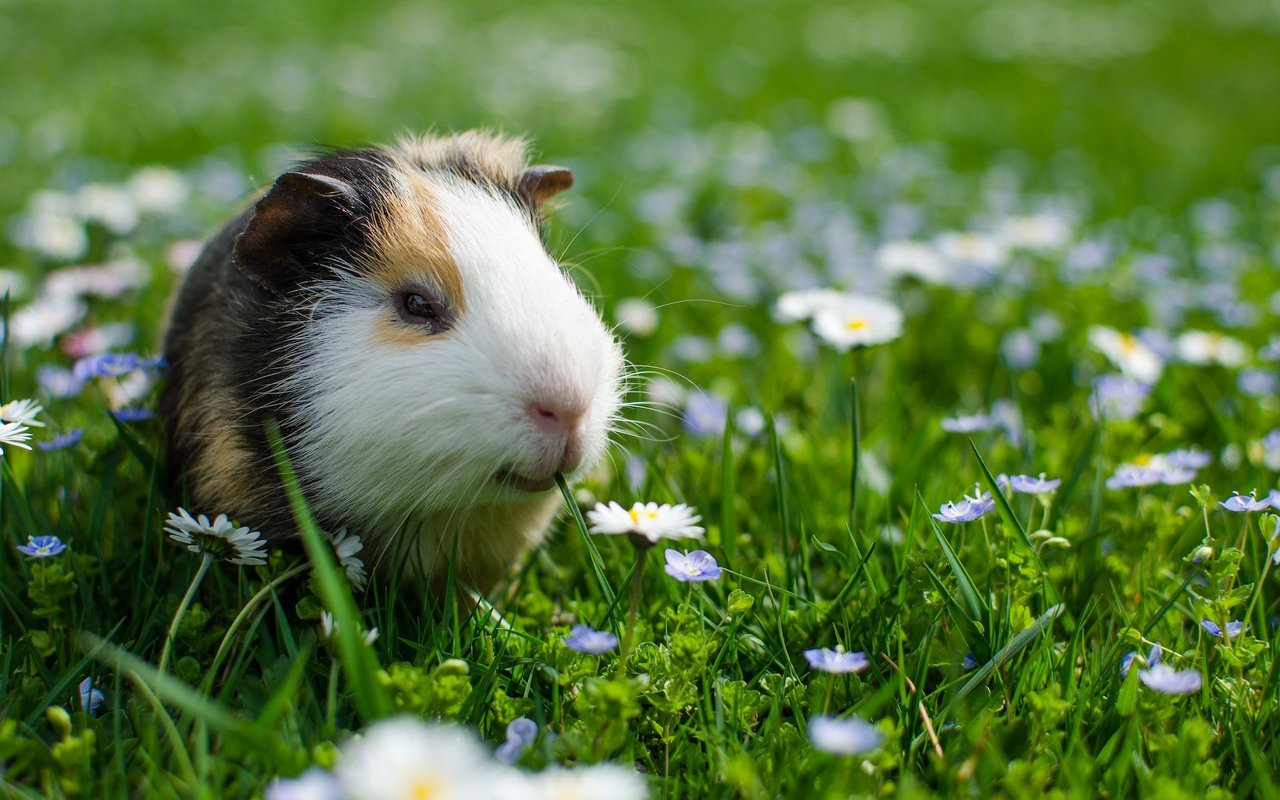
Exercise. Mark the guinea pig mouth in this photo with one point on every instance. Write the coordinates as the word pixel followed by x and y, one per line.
pixel 513 480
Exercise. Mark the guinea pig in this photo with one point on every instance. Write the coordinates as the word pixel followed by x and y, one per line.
pixel 430 366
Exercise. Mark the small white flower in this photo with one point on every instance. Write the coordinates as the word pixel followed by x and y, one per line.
pixel 110 206
pixel 219 539
pixel 594 782
pixel 650 520
pixel 637 315
pixel 45 318
pixel 803 304
pixel 846 736
pixel 913 259
pixel 858 321
pixel 157 190
pixel 329 627
pixel 15 434
pixel 23 412
pixel 972 248
pixel 53 234
pixel 402 758
pixel 1037 232
pixel 346 546
pixel 1128 352
pixel 1206 348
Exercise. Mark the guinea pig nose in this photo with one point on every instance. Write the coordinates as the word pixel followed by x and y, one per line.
pixel 552 418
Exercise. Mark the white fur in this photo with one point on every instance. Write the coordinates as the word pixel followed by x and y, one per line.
pixel 402 442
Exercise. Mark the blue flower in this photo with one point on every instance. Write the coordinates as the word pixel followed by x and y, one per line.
pixel 58 382
pixel 521 733
pixel 967 510
pixel 836 661
pixel 62 441
pixel 705 414
pixel 1233 628
pixel 314 784
pixel 1187 458
pixel 585 639
pixel 90 698
pixel 1165 679
pixel 970 662
pixel 692 567
pixel 42 546
pixel 106 365
pixel 1029 485
pixel 847 736
pixel 968 423
pixel 1238 502
pixel 1119 397
pixel 1257 383
pixel 1153 658
pixel 133 414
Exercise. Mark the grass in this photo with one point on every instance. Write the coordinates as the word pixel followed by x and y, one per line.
pixel 725 155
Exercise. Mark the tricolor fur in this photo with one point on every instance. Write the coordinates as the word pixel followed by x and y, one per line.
pixel 430 366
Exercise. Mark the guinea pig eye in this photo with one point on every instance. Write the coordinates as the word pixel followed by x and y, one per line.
pixel 417 308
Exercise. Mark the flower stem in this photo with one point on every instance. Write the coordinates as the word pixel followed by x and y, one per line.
pixel 205 561
pixel 637 588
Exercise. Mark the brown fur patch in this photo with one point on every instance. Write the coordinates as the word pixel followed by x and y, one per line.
pixel 409 241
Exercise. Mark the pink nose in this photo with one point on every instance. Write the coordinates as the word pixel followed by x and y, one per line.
pixel 553 420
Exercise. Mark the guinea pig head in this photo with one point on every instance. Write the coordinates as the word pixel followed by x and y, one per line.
pixel 439 359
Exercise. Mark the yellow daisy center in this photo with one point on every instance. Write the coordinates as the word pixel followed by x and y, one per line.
pixel 1142 460
pixel 856 324
pixel 1128 342
pixel 639 511
pixel 425 788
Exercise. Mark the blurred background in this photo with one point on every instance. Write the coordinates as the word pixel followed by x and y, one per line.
pixel 1151 101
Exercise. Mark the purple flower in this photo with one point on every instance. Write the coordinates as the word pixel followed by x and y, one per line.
pixel 705 414
pixel 1187 458
pixel 58 382
pixel 42 546
pixel 1238 502
pixel 1119 397
pixel 968 423
pixel 1029 485
pixel 836 661
pixel 967 510
pixel 1233 628
pixel 847 736
pixel 1164 678
pixel 62 441
pixel 90 698
pixel 1157 471
pixel 692 567
pixel 1257 383
pixel 1153 658
pixel 133 414
pixel 585 639
pixel 106 365
pixel 521 732
pixel 314 784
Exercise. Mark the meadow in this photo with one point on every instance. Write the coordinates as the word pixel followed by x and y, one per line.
pixel 955 323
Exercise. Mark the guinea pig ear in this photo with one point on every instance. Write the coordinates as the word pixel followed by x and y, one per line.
pixel 537 185
pixel 303 213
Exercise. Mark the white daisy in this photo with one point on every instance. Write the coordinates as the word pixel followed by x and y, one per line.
pixel 45 318
pixel 1206 348
pixel 329 627
pixel 972 247
pixel 858 322
pixel 1128 352
pixel 346 546
pixel 23 412
pixel 913 259
pixel 219 539
pixel 803 304
pixel 594 782
pixel 1037 232
pixel 649 520
pixel 402 758
pixel 16 434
